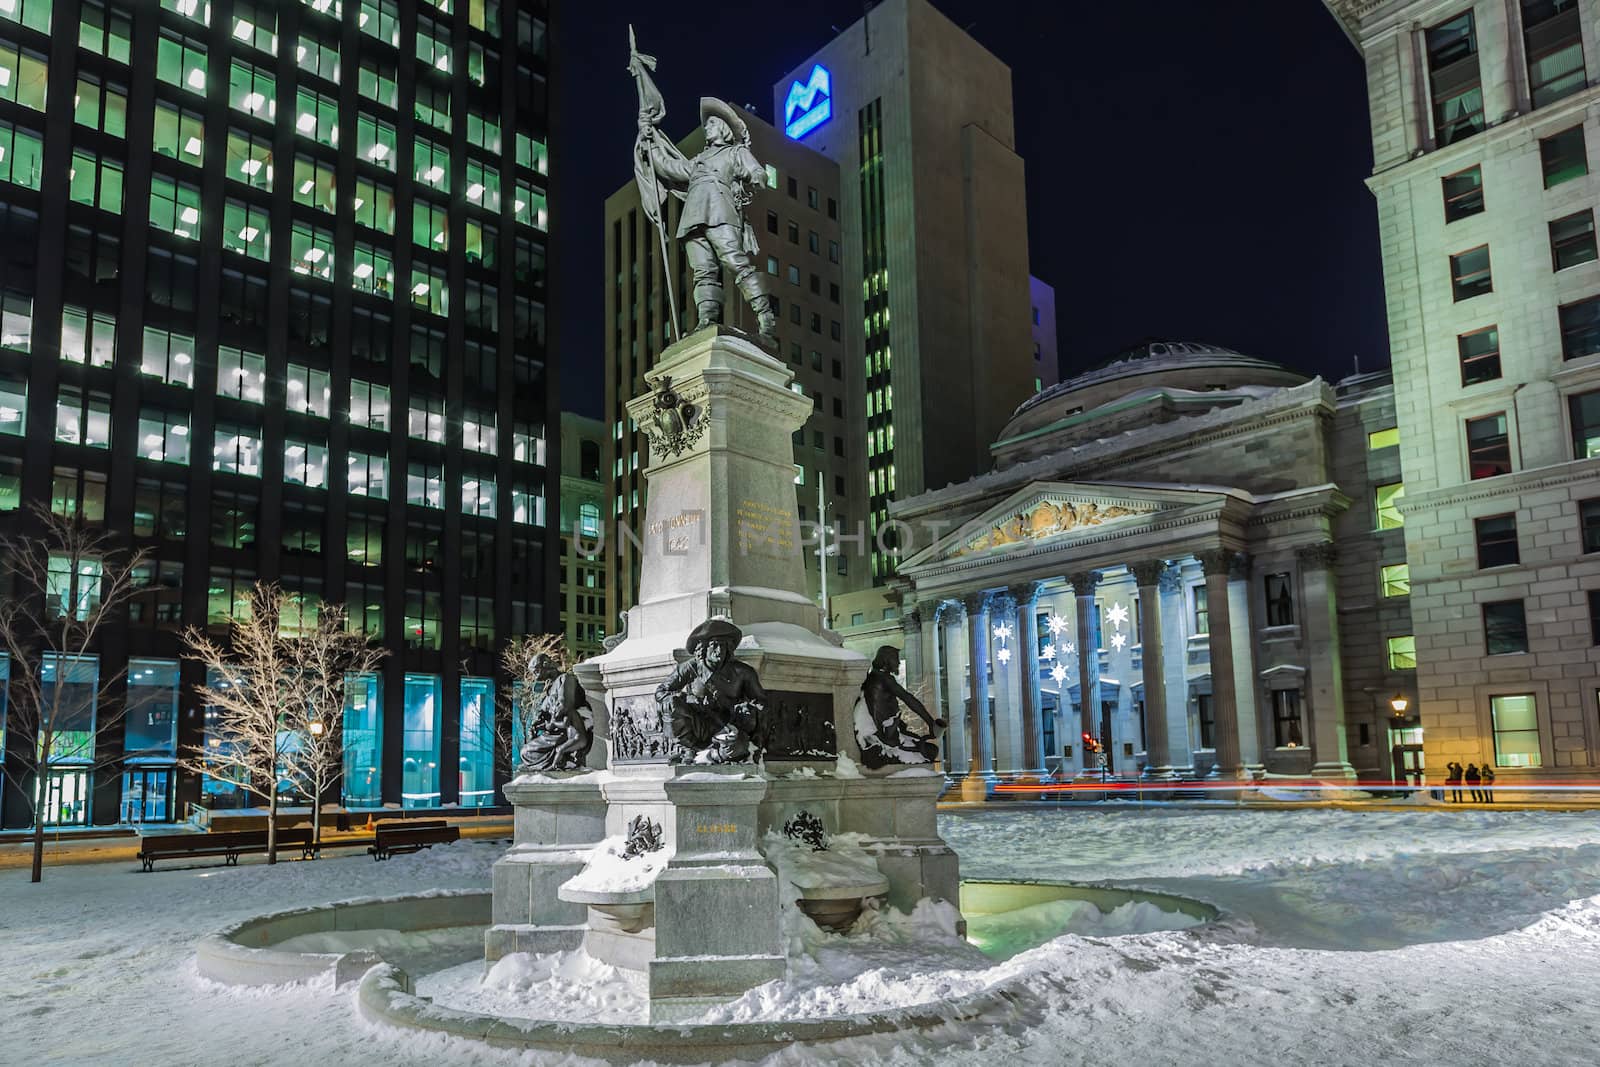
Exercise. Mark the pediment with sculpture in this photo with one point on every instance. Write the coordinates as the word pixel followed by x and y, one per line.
pixel 1047 518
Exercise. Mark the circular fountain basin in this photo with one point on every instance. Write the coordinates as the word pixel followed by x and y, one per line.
pixel 310 943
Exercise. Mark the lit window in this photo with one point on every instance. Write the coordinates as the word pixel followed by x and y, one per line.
pixel 1387 501
pixel 241 375
pixel 1386 438
pixel 1402 653
pixel 374 206
pixel 530 207
pixel 527 444
pixel 83 419
pixel 527 506
pixel 97 106
pixel 369 404
pixel 429 289
pixel 425 485
pixel 478 432
pixel 433 43
pixel 168 356
pixel 237 450
pixel 375 142
pixel 107 33
pixel 197 10
pixel 1516 730
pixel 245 229
pixel 317 58
pixel 175 207
pixel 305 463
pixel 1286 725
pixel 533 155
pixel 25 75
pixel 483 185
pixel 308 390
pixel 380 19
pixel 425 420
pixel 164 436
pixel 430 225
pixel 368 475
pixel 21 156
pixel 432 106
pixel 478 496
pixel 181 62
pixel 178 134
pixel 31 13
pixel 256 24
pixel 1396 579
pixel 95 181
pixel 317 117
pixel 373 271
pixel 249 159
pixel 311 251
pixel 88 337
pixel 432 164
pixel 377 83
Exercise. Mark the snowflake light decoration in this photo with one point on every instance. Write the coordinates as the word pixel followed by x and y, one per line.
pixel 1118 640
pixel 1056 624
pixel 1003 631
pixel 1047 653
pixel 1118 616
pixel 1069 649
pixel 1004 656
pixel 1059 673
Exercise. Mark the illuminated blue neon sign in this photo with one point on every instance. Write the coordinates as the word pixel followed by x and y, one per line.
pixel 809 104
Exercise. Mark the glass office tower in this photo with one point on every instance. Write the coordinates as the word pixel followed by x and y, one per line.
pixel 272 287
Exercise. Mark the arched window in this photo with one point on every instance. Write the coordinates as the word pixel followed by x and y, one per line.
pixel 589 520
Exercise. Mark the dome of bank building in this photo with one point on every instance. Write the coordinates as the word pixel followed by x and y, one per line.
pixel 1150 383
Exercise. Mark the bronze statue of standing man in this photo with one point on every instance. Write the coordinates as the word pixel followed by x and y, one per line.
pixel 715 187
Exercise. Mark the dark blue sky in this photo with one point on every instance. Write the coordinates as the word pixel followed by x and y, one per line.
pixel 1194 169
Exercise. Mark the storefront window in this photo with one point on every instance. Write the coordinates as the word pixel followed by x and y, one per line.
pixel 420 786
pixel 70 684
pixel 363 741
pixel 477 742
pixel 151 723
pixel 222 790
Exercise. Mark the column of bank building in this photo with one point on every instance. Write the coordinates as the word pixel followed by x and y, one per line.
pixel 1486 128
pixel 273 308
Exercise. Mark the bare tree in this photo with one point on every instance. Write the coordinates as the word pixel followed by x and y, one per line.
pixel 322 658
pixel 251 688
pixel 67 584
pixel 519 699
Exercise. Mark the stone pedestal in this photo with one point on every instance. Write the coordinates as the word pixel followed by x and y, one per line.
pixel 718 931
pixel 560 818
pixel 721 540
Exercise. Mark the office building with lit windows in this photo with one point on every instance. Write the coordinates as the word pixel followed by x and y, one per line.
pixel 583 499
pixel 220 344
pixel 797 222
pixel 918 117
pixel 1485 129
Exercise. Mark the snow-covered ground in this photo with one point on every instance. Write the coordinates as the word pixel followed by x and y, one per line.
pixel 1436 936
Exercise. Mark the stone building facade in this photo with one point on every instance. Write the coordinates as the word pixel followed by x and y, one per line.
pixel 1482 120
pixel 1193 538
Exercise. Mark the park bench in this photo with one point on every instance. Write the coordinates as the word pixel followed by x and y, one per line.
pixel 230 845
pixel 412 836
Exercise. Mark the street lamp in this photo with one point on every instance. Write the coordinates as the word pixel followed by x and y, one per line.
pixel 1399 703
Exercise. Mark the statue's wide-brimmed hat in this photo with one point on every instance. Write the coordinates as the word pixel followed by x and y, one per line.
pixel 715 630
pixel 710 105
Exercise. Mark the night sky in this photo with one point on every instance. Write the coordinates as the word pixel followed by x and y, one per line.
pixel 1194 169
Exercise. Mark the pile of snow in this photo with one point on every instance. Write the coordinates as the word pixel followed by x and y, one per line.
pixel 565 986
pixel 1360 937
pixel 609 871
pixel 843 863
pixel 1005 934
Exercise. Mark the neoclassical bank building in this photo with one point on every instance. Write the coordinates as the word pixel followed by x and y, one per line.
pixel 1192 556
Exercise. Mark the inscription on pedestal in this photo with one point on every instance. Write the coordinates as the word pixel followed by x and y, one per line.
pixel 765 530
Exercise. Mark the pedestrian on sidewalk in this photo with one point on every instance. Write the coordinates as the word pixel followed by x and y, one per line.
pixel 1473 778
pixel 1488 784
pixel 1452 780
